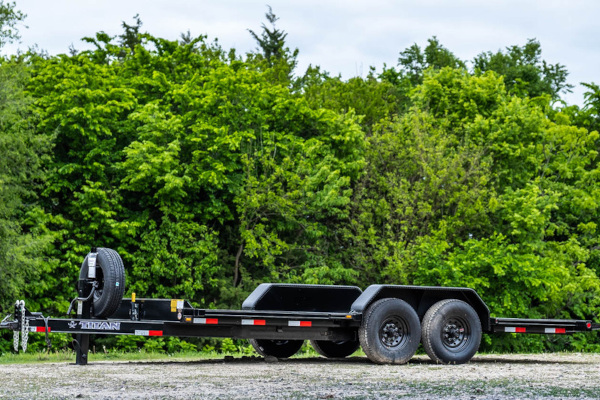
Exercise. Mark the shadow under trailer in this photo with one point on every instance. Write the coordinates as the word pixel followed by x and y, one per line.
pixel 387 321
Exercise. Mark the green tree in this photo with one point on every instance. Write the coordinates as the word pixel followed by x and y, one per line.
pixel 421 177
pixel 274 55
pixel 413 61
pixel 271 41
pixel 131 35
pixel 20 170
pixel 591 110
pixel 179 152
pixel 524 71
pixel 21 174
pixel 370 98
pixel 9 19
pixel 475 187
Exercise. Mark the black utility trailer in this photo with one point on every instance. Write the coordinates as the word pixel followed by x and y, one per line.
pixel 387 321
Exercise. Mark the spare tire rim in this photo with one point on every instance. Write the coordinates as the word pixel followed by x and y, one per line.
pixel 394 332
pixel 455 333
pixel 100 280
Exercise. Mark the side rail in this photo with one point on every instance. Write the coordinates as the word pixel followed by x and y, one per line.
pixel 190 322
pixel 542 326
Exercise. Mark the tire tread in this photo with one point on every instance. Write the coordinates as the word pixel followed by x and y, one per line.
pixel 428 329
pixel 114 272
pixel 370 342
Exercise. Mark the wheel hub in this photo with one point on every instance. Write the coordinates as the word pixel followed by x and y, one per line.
pixel 454 333
pixel 393 332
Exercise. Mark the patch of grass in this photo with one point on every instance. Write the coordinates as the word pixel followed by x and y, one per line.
pixel 141 355
pixel 111 355
pixel 24 358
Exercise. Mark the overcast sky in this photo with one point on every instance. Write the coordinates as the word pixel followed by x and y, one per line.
pixel 343 37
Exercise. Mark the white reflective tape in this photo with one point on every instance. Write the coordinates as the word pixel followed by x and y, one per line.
pixel 142 333
pixel 515 329
pixel 92 266
pixel 79 307
pixel 180 304
pixel 555 330
pixel 208 321
pixel 254 322
pixel 300 323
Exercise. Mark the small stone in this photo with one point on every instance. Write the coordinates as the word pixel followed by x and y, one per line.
pixel 271 359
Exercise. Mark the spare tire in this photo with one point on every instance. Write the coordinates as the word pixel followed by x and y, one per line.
pixel 110 275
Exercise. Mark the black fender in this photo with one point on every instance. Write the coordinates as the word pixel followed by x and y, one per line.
pixel 299 297
pixel 421 298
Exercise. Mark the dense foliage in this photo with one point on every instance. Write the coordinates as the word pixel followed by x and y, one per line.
pixel 210 172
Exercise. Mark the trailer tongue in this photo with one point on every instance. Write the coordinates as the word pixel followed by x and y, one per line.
pixel 387 321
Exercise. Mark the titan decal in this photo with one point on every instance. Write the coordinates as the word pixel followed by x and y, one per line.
pixel 96 325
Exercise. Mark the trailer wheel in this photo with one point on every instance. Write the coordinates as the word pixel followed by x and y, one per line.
pixel 390 332
pixel 110 275
pixel 451 332
pixel 335 349
pixel 276 348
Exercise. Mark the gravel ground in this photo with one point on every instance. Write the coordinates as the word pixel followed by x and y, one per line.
pixel 538 376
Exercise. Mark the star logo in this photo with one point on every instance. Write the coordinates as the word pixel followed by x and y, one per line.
pixel 72 324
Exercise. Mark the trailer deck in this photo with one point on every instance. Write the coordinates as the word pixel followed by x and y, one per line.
pixel 387 321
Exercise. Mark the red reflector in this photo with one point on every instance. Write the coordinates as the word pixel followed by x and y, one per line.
pixel 254 322
pixel 212 321
pixel 589 325
pixel 561 330
pixel 300 323
pixel 155 333
pixel 42 329
pixel 520 330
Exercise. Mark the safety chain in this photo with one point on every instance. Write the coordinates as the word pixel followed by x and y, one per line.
pixel 16 340
pixel 24 327
pixel 16 333
pixel 20 305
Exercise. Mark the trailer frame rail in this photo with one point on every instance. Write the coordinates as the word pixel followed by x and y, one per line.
pixel 542 326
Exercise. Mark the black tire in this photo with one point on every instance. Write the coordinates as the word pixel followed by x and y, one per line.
pixel 451 332
pixel 390 332
pixel 335 349
pixel 110 274
pixel 276 348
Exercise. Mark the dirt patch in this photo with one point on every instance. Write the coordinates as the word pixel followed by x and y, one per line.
pixel 547 376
